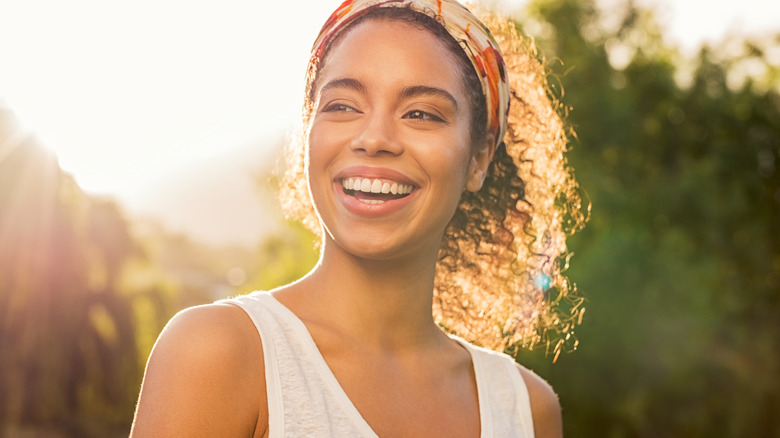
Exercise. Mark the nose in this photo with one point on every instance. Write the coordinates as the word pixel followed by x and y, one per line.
pixel 377 136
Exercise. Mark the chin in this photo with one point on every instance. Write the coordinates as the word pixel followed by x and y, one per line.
pixel 381 247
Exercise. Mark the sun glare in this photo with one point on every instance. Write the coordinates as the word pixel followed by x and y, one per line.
pixel 127 93
pixel 134 91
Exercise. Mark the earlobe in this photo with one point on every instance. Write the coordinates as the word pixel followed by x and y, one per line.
pixel 480 160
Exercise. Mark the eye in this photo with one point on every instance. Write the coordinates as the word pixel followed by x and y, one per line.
pixel 422 115
pixel 339 108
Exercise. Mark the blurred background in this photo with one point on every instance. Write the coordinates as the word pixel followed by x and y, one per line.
pixel 138 139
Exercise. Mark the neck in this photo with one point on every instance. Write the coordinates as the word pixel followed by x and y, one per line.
pixel 386 303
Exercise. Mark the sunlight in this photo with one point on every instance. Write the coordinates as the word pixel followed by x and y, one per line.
pixel 12 135
pixel 29 190
pixel 134 92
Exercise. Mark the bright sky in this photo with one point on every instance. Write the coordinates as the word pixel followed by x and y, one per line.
pixel 126 92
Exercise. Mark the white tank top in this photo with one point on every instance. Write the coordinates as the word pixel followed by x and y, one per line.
pixel 306 400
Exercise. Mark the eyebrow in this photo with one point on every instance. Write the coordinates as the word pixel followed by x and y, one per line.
pixel 422 90
pixel 415 91
pixel 348 83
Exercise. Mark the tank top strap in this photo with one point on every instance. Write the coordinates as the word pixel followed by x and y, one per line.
pixel 504 403
pixel 304 397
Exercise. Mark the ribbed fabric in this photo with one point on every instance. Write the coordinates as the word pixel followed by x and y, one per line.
pixel 306 400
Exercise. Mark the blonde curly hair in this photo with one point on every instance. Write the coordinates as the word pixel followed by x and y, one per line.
pixel 499 278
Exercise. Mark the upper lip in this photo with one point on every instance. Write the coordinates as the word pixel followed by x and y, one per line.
pixel 375 173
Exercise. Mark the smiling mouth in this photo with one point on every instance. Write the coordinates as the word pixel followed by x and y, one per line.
pixel 375 191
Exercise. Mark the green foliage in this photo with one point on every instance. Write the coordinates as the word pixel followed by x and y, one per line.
pixel 680 263
pixel 84 295
pixel 284 257
pixel 71 357
pixel 68 345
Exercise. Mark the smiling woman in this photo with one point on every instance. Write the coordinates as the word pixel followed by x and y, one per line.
pixel 439 211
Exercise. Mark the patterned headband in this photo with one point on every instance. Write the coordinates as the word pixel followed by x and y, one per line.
pixel 463 26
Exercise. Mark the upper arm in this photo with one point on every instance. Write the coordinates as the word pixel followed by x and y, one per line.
pixel 545 407
pixel 205 377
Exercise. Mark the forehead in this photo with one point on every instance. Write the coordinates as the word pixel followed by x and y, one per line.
pixel 391 49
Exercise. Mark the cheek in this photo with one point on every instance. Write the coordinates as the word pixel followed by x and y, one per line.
pixel 323 137
pixel 316 149
pixel 458 158
pixel 319 153
pixel 313 167
pixel 450 170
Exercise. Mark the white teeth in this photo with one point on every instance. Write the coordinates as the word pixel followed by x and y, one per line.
pixel 371 201
pixel 368 185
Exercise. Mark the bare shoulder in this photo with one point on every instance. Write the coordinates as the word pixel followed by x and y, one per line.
pixel 545 407
pixel 204 377
pixel 212 335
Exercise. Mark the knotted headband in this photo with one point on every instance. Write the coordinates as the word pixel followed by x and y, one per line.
pixel 463 26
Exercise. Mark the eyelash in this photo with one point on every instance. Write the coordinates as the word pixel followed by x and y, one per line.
pixel 422 115
pixel 413 114
pixel 338 107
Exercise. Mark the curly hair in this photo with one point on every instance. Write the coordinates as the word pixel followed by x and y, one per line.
pixel 499 276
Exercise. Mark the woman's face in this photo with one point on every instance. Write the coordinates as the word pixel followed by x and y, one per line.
pixel 389 150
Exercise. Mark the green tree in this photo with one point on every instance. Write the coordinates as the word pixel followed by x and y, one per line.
pixel 680 262
pixel 69 362
pixel 283 258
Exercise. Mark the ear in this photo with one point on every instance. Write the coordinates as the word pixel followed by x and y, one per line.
pixel 480 160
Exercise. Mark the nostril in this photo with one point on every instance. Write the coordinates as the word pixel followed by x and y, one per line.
pixel 376 140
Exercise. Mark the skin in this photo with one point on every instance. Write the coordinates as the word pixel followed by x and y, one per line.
pixel 390 104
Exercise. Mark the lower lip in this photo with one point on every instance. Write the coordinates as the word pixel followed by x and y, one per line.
pixel 354 206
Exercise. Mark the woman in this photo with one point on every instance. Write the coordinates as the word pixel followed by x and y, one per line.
pixel 420 205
